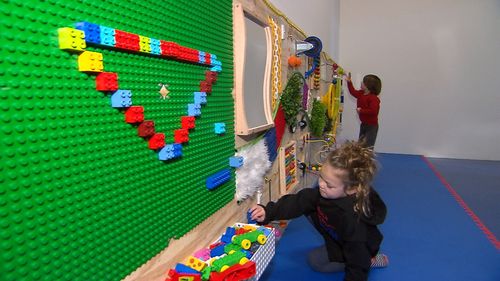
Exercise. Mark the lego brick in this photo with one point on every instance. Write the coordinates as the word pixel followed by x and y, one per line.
pixel 106 81
pixel 121 98
pixel 208 59
pixel 211 77
pixel 71 39
pixel 181 136
pixel 127 41
pixel 107 36
pixel 200 98
pixel 170 151
pixel 188 122
pixel 157 141
pixel 155 46
pixel 90 62
pixel 144 44
pixel 235 161
pixel 194 109
pixel 201 57
pixel 146 129
pixel 220 128
pixel 182 268
pixel 205 87
pixel 134 114
pixel 195 263
pixel 92 31
pixel 169 49
pixel 217 179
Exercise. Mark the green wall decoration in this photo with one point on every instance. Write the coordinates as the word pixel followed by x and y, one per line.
pixel 319 119
pixel 82 197
pixel 291 98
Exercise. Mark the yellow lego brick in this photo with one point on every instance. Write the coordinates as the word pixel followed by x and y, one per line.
pixel 71 39
pixel 90 62
pixel 195 263
pixel 144 44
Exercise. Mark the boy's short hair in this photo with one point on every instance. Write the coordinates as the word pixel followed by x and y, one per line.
pixel 373 83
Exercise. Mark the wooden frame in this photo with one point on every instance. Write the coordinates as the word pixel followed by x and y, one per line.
pixel 288 167
pixel 239 45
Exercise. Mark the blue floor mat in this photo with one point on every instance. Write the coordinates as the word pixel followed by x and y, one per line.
pixel 478 183
pixel 428 236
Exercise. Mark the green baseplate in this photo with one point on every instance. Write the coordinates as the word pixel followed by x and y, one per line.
pixel 82 197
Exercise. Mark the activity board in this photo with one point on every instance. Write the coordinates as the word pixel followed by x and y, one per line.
pixel 117 128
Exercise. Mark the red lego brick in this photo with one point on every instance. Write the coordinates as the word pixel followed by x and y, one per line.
pixel 169 49
pixel 181 136
pixel 127 41
pixel 146 129
pixel 211 77
pixel 134 114
pixel 157 141
pixel 188 122
pixel 188 54
pixel 208 59
pixel 205 87
pixel 106 81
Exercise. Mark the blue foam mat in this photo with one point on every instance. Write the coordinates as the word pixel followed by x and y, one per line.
pixel 428 236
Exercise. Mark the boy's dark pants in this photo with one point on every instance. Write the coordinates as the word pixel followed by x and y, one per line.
pixel 368 134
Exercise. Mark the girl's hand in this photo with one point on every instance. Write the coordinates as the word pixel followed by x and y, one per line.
pixel 348 77
pixel 358 109
pixel 258 213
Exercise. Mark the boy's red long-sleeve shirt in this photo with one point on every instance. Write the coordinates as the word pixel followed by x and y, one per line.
pixel 369 104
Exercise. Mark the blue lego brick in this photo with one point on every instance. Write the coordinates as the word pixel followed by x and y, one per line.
pixel 92 31
pixel 217 251
pixel 249 218
pixel 177 150
pixel 264 230
pixel 201 57
pixel 218 178
pixel 155 46
pixel 219 128
pixel 236 161
pixel 182 268
pixel 121 98
pixel 200 98
pixel 108 36
pixel 228 235
pixel 194 109
pixel 216 66
pixel 170 151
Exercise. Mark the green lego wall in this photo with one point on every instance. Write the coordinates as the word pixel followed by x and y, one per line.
pixel 82 197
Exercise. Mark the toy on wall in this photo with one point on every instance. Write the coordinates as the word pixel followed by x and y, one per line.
pixel 276 61
pixel 250 177
pixel 288 167
pixel 75 40
pixel 291 99
pixel 318 118
pixel 294 61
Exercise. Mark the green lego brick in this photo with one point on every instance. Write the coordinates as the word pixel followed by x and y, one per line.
pixel 81 195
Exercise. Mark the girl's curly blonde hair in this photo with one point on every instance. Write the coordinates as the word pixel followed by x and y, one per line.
pixel 360 164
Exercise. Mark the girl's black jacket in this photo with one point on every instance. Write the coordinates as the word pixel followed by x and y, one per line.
pixel 349 238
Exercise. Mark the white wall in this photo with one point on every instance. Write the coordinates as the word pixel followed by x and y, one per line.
pixel 318 18
pixel 439 61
